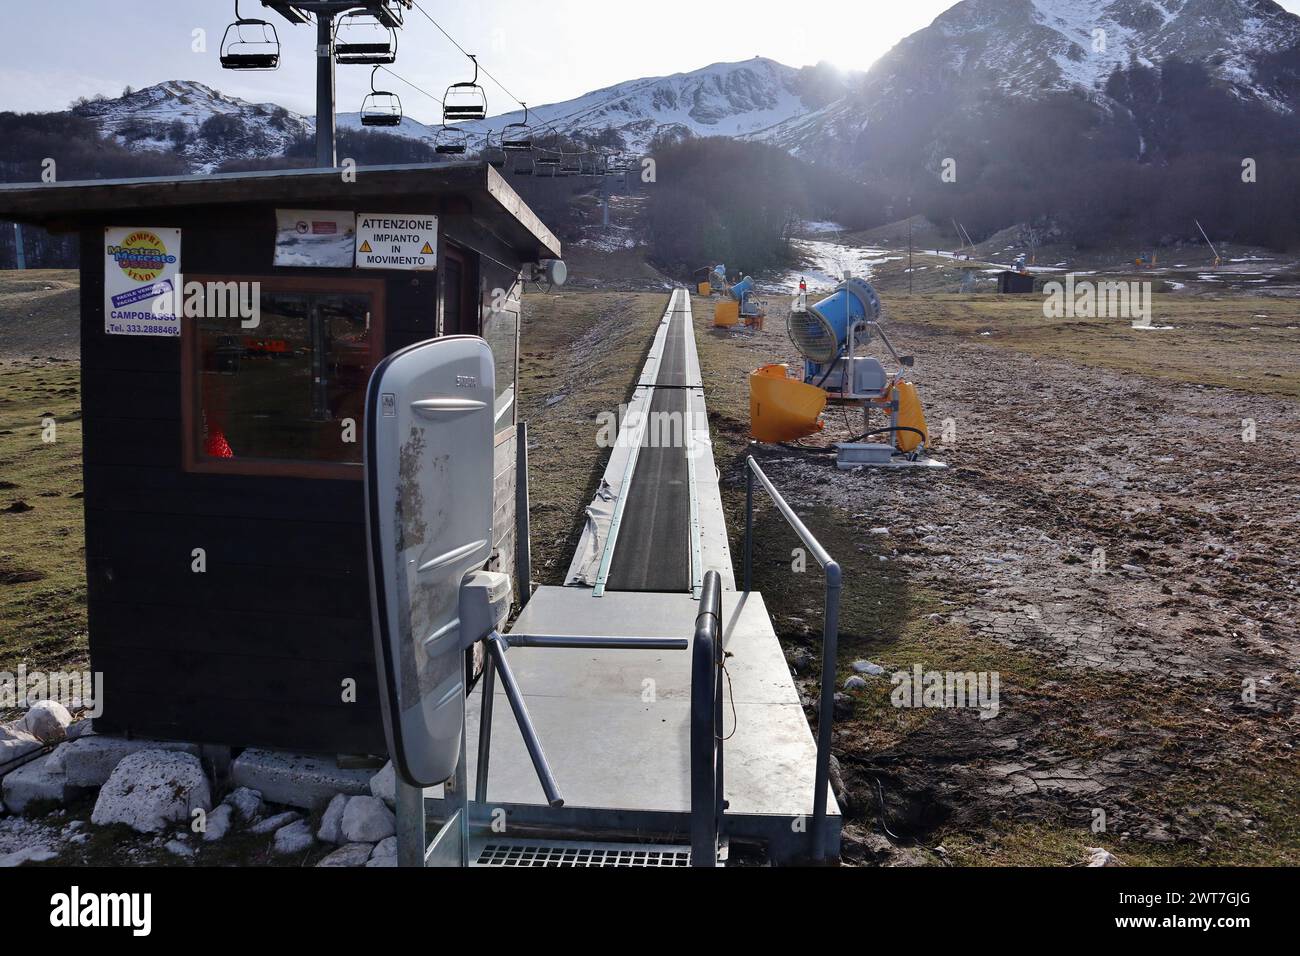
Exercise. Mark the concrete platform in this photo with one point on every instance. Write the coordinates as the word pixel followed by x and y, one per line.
pixel 615 724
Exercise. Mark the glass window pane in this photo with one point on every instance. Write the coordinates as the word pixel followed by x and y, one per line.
pixel 501 330
pixel 283 390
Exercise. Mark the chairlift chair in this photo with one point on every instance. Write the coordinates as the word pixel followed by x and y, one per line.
pixel 451 141
pixel 360 39
pixel 380 107
pixel 517 137
pixel 390 13
pixel 523 163
pixel 250 44
pixel 466 100
pixel 570 163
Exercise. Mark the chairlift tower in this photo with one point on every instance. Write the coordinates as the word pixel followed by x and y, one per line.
pixel 386 13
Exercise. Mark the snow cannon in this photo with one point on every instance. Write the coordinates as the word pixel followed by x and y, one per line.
pixel 829 335
pixel 821 332
pixel 740 306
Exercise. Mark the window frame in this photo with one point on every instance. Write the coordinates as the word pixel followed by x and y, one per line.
pixel 192 461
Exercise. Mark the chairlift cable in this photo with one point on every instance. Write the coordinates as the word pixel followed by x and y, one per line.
pixel 466 53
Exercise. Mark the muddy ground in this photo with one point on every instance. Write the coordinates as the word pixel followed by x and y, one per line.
pixel 1106 541
pixel 1155 691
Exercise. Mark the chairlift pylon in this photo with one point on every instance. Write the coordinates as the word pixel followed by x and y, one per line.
pixel 466 100
pixel 360 39
pixel 517 137
pixel 254 44
pixel 380 107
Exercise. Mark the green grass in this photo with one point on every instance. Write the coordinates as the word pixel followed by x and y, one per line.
pixel 42 542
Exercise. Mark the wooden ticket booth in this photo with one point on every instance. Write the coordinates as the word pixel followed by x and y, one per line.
pixel 229 325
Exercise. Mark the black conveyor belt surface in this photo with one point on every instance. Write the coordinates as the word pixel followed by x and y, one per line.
pixel 652 551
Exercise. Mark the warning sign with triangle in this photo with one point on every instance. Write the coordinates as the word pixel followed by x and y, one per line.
pixel 391 240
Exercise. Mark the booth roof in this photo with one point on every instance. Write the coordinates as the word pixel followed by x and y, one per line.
pixel 61 205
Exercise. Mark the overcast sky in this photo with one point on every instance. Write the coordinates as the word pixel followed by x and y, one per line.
pixel 543 51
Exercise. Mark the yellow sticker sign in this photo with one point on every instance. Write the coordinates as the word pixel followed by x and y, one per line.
pixel 390 240
pixel 141 271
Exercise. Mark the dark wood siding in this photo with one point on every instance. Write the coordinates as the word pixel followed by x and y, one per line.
pixel 254 651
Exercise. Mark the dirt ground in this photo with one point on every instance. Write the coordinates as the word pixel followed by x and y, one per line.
pixel 1104 538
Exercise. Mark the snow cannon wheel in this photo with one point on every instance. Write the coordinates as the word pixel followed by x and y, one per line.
pixel 781 407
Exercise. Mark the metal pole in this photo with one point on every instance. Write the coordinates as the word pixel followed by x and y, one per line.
pixel 526 729
pixel 826 710
pixel 20 254
pixel 411 839
pixel 749 523
pixel 598 643
pixel 325 155
pixel 485 729
pixel 523 533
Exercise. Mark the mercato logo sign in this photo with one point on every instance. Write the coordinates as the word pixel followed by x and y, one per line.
pixel 76 909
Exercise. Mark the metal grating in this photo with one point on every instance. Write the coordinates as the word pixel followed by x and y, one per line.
pixel 812 336
pixel 563 853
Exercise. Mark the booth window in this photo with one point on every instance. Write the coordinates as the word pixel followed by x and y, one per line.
pixel 501 330
pixel 286 397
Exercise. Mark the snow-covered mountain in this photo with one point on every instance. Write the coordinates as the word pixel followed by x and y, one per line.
pixel 722 99
pixel 191 119
pixel 1029 49
pixel 975 52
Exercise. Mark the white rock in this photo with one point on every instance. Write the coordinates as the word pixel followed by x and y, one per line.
pixel 15 744
pixel 247 803
pixel 296 780
pixel 177 848
pixel 331 822
pixel 47 721
pixel 152 788
pixel 275 822
pixel 1098 856
pixel 295 838
pixel 90 760
pixel 384 853
pixel 384 785
pixel 78 728
pixel 854 682
pixel 218 823
pixel 351 854
pixel 28 854
pixel 39 779
pixel 866 667
pixel 367 820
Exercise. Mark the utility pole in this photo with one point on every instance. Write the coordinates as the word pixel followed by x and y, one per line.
pixel 20 254
pixel 909 245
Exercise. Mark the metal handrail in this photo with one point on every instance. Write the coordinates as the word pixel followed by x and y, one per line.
pixel 830 636
pixel 706 724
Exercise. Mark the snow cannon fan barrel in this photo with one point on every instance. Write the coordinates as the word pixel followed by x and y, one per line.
pixel 821 332
pixel 739 290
